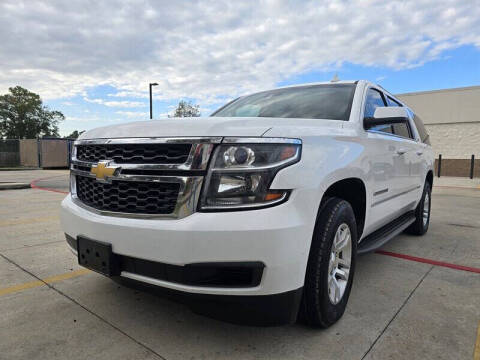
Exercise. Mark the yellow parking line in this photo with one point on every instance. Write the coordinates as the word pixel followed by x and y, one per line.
pixel 476 351
pixel 48 280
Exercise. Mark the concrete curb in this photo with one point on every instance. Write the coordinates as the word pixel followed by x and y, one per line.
pixel 18 168
pixel 13 185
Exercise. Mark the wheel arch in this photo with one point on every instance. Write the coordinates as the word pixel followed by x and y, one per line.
pixel 429 178
pixel 352 190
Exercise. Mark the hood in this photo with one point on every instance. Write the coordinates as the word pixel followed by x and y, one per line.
pixel 220 126
pixel 185 127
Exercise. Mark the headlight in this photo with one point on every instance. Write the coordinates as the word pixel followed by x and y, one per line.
pixel 240 174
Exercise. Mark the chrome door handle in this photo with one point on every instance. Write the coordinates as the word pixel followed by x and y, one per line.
pixel 419 152
pixel 401 151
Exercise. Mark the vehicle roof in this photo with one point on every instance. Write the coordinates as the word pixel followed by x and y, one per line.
pixel 320 83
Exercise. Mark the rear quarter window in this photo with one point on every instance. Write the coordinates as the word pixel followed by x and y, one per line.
pixel 422 131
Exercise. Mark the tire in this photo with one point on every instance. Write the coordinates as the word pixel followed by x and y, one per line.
pixel 319 307
pixel 420 226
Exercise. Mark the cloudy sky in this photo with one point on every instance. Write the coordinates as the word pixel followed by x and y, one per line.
pixel 93 60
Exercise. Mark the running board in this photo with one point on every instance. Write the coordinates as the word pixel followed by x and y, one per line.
pixel 386 233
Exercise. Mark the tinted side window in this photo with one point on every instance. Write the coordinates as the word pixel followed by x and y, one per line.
pixel 402 130
pixel 422 132
pixel 383 128
pixel 392 102
pixel 374 100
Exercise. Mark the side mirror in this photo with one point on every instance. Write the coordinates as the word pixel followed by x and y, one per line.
pixel 386 115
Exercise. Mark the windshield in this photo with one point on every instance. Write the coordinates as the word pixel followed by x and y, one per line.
pixel 308 102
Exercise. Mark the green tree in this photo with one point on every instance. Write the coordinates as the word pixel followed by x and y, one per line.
pixel 23 115
pixel 186 109
pixel 74 135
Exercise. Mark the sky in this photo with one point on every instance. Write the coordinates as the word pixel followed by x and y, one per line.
pixel 93 60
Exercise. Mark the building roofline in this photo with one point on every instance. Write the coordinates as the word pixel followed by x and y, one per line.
pixel 465 88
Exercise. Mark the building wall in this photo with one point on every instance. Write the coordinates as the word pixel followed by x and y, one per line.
pixel 452 118
pixel 461 105
pixel 455 141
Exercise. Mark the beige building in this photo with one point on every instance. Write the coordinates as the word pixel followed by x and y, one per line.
pixel 452 118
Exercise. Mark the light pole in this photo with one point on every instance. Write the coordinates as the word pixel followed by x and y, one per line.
pixel 150 87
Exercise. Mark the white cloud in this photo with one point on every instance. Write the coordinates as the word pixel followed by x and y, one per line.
pixel 120 104
pixel 206 49
pixel 132 114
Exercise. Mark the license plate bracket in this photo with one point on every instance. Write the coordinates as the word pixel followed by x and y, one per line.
pixel 97 256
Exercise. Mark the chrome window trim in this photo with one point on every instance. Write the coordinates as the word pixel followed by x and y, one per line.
pixel 390 135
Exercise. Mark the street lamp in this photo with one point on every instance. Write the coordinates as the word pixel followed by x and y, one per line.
pixel 150 87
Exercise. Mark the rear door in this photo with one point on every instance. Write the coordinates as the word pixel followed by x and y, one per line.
pixel 408 159
pixel 420 165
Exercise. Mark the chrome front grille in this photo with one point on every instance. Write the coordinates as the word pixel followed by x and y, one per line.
pixel 139 177
pixel 135 153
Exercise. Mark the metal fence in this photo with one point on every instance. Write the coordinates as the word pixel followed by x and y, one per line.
pixel 457 167
pixel 9 153
pixel 44 153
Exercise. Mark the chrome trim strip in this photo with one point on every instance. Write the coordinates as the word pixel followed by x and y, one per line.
pixel 257 140
pixel 197 159
pixel 396 195
pixel 152 140
pixel 373 131
pixel 188 196
pixel 379 192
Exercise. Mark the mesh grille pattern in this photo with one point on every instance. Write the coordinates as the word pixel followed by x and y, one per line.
pixel 128 196
pixel 135 153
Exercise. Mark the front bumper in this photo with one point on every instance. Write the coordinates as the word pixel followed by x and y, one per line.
pixel 279 237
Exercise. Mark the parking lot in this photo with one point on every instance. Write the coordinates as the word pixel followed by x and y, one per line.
pixel 417 299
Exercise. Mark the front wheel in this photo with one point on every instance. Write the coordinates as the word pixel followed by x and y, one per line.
pixel 422 213
pixel 331 264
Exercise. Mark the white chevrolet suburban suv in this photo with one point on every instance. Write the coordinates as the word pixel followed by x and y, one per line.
pixel 256 214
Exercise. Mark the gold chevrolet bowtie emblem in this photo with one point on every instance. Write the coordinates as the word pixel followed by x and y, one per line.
pixel 102 170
